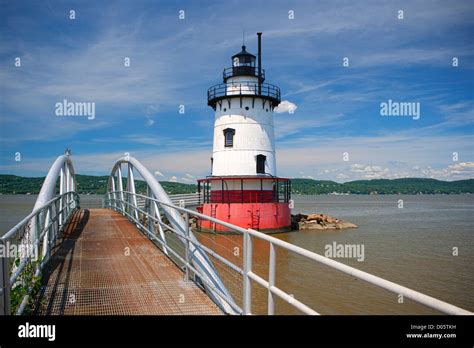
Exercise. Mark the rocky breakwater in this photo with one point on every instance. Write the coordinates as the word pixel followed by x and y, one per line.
pixel 318 222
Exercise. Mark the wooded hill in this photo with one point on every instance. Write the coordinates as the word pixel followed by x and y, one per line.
pixel 10 184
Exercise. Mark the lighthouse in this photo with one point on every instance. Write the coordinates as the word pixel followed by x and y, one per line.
pixel 243 188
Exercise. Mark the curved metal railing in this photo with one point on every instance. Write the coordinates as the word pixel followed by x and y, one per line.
pixel 158 207
pixel 168 225
pixel 28 245
pixel 147 220
pixel 161 220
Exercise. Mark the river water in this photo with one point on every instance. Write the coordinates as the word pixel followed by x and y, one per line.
pixel 412 246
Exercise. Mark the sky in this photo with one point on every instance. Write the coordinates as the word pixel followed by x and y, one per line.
pixel 422 56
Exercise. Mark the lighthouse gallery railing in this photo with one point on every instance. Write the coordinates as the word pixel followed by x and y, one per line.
pixel 243 89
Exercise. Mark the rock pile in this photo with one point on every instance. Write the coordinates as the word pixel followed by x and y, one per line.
pixel 318 222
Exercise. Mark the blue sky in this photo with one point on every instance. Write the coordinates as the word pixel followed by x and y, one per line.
pixel 175 61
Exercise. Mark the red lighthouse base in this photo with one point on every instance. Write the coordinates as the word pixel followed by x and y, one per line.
pixel 238 201
pixel 265 217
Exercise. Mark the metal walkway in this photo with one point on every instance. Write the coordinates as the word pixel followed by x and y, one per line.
pixel 104 265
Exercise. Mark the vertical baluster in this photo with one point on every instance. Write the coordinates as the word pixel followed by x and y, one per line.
pixel 47 234
pixel 61 192
pixel 247 286
pixel 120 186
pixel 147 210
pixel 5 307
pixel 131 189
pixel 186 229
pixel 160 228
pixel 271 279
pixel 112 183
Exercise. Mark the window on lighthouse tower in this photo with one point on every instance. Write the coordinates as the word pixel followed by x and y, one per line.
pixel 229 137
pixel 261 164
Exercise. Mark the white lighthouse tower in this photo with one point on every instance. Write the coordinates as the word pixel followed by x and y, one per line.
pixel 243 188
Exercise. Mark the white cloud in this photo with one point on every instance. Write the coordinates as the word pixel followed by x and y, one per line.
pixel 188 178
pixel 357 168
pixel 461 167
pixel 173 179
pixel 286 106
pixel 149 122
pixel 158 173
pixel 455 171
pixel 370 172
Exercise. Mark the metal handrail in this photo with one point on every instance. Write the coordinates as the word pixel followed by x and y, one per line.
pixel 184 200
pixel 44 225
pixel 269 284
pixel 186 261
pixel 209 276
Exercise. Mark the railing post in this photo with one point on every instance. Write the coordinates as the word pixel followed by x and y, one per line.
pixel 186 229
pixel 54 221
pixel 61 192
pixel 271 279
pixel 112 184
pixel 247 288
pixel 61 216
pixel 160 228
pixel 47 235
pixel 66 206
pixel 37 232
pixel 131 189
pixel 44 223
pixel 5 306
pixel 148 209
pixel 120 185
pixel 126 208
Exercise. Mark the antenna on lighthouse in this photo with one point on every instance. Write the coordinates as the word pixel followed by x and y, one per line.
pixel 259 63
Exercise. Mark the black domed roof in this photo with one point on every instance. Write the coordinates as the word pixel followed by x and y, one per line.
pixel 243 53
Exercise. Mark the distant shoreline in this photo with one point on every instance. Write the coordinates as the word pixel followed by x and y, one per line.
pixel 88 184
pixel 293 193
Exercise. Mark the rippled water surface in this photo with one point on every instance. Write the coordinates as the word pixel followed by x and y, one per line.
pixel 412 246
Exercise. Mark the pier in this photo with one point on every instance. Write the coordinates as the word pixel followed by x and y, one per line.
pixel 138 254
pixel 104 265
